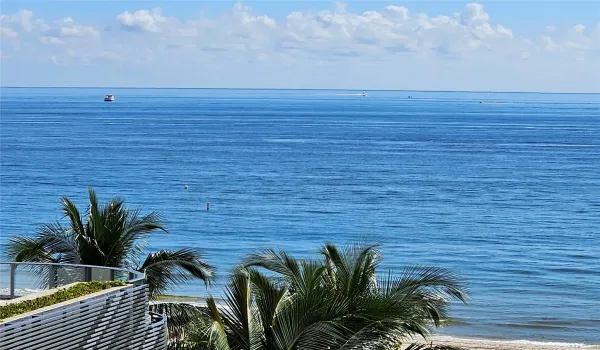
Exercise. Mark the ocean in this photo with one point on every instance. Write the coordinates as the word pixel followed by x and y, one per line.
pixel 505 193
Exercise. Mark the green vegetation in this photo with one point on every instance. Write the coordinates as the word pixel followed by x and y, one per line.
pixel 112 235
pixel 59 296
pixel 272 301
pixel 336 302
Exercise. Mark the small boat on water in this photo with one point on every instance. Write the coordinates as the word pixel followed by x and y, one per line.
pixel 109 98
pixel 364 94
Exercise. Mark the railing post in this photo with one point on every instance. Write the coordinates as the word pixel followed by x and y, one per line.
pixel 112 275
pixel 13 268
pixel 87 274
pixel 51 276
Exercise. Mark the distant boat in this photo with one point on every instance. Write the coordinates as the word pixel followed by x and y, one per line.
pixel 364 94
pixel 109 98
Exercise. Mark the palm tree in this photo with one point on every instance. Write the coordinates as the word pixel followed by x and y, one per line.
pixel 338 302
pixel 112 235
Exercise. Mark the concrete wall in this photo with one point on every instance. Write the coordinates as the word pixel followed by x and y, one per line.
pixel 113 319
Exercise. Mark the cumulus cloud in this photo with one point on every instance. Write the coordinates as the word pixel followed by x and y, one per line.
pixel 327 36
pixel 142 20
pixel 68 27
pixel 8 33
pixel 51 40
pixel 23 21
pixel 22 18
pixel 474 15
pixel 329 33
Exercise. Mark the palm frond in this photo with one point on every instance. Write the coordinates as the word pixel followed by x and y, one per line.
pixel 109 237
pixel 165 269
pixel 383 335
pixel 53 243
pixel 354 262
pixel 323 335
pixel 438 280
pixel 59 242
pixel 309 317
pixel 179 316
pixel 237 313
pixel 301 276
pixel 215 333
pixel 268 300
pixel 136 229
pixel 21 248
pixel 278 262
pixel 70 210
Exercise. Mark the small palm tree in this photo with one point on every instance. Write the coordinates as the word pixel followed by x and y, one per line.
pixel 338 302
pixel 112 235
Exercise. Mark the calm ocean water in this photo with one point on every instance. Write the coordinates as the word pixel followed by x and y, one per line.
pixel 506 194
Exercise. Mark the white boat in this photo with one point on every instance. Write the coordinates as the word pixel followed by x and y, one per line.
pixel 109 98
pixel 364 94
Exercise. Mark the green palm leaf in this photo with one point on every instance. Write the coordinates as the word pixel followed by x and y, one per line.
pixel 215 333
pixel 179 316
pixel 165 269
pixel 20 248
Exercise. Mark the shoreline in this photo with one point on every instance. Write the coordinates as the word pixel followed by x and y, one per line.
pixel 468 343
pixel 495 344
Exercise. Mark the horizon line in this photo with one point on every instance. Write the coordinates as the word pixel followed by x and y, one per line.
pixel 294 89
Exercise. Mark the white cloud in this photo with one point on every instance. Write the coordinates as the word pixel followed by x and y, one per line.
pixel 188 31
pixel 474 15
pixel 68 27
pixel 504 31
pixel 550 45
pixel 78 31
pixel 22 18
pixel 331 37
pixel 244 15
pixel 51 40
pixel 142 20
pixel 398 12
pixel 328 33
pixel 8 33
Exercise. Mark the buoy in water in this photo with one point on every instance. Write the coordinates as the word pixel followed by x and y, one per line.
pixel 186 187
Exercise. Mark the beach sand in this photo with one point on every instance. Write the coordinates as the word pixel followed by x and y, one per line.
pixel 484 344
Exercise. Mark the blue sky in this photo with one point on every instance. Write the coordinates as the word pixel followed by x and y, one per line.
pixel 430 45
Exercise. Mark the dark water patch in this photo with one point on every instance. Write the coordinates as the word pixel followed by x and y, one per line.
pixel 578 271
pixel 533 326
pixel 581 257
pixel 323 212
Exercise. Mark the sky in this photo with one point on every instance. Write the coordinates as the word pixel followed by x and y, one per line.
pixel 502 45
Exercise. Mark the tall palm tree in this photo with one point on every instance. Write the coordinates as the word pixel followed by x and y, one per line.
pixel 338 302
pixel 112 235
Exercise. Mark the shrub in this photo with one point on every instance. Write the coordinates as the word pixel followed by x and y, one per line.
pixel 59 296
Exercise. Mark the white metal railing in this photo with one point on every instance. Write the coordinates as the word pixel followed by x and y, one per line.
pixel 30 277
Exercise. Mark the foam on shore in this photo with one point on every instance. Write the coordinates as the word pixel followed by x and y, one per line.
pixel 488 344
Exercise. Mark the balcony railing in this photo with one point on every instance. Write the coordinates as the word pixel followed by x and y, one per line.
pixel 22 278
